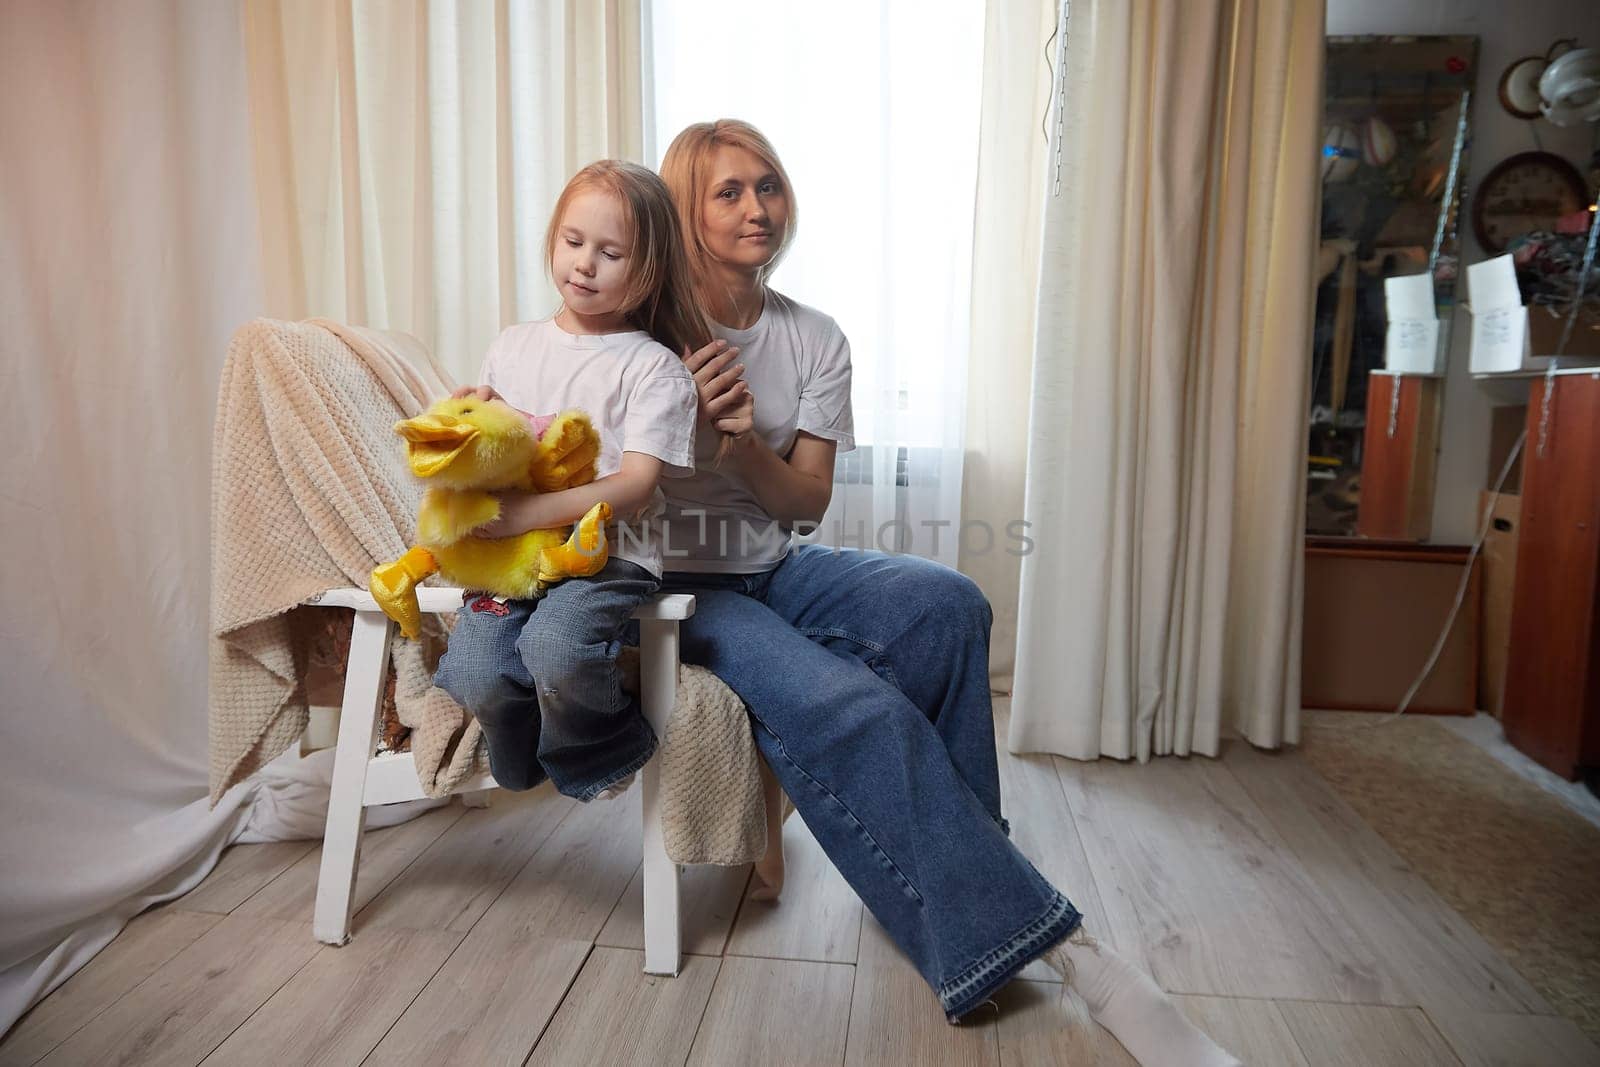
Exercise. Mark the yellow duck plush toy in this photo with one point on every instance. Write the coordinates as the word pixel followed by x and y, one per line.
pixel 468 449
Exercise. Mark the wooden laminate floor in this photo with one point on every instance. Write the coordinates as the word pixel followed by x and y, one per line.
pixel 1285 926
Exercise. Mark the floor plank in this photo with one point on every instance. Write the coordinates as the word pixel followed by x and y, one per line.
pixel 1033 1032
pixel 1338 1035
pixel 196 999
pixel 1043 829
pixel 1436 953
pixel 339 1006
pixel 454 881
pixel 1253 1030
pixel 240 874
pixel 1500 1040
pixel 774 1012
pixel 817 918
pixel 875 946
pixel 896 1019
pixel 710 898
pixel 575 878
pixel 384 854
pixel 147 942
pixel 488 1004
pixel 1190 867
pixel 615 1015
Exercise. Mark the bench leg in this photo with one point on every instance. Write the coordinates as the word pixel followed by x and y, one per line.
pixel 477 798
pixel 658 689
pixel 769 868
pixel 358 738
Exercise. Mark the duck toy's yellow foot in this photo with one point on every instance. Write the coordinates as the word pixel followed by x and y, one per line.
pixel 394 587
pixel 582 555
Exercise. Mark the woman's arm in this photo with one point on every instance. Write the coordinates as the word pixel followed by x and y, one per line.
pixel 628 492
pixel 792 488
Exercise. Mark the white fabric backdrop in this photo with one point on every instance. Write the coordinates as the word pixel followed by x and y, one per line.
pixel 877 126
pixel 129 244
pixel 1163 602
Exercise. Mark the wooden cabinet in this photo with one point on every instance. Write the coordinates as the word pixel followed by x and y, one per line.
pixel 1373 610
pixel 1399 456
pixel 1552 693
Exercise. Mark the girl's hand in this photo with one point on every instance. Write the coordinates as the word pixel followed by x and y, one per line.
pixel 719 385
pixel 740 418
pixel 480 392
pixel 513 520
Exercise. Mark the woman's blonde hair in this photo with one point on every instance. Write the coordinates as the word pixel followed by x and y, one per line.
pixel 660 296
pixel 686 168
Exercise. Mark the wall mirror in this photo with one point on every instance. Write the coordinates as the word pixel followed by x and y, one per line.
pixel 1396 130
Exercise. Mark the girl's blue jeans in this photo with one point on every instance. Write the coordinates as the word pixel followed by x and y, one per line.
pixel 867 679
pixel 541 678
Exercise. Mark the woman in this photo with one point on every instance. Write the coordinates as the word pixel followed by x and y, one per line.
pixel 866 674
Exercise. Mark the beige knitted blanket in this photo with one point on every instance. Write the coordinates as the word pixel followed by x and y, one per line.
pixel 308 494
pixel 712 806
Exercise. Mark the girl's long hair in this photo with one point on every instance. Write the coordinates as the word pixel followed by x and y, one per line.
pixel 660 296
pixel 686 169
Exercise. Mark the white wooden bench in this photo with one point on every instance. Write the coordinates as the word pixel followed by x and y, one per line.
pixel 361 779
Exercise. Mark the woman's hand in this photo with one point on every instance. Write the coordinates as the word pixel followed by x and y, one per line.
pixel 479 392
pixel 721 389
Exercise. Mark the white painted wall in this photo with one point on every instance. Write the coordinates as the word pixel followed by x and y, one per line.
pixel 1505 31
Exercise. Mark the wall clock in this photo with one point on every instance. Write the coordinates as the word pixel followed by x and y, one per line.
pixel 1527 192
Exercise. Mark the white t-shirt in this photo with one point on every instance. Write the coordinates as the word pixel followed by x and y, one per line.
pixel 638 394
pixel 797 363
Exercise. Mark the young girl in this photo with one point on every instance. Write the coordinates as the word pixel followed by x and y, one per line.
pixel 541 675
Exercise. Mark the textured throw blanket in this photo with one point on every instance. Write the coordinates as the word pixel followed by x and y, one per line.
pixel 308 493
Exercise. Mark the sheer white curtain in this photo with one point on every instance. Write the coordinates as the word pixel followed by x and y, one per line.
pixel 409 153
pixel 874 110
pixel 1169 387
pixel 1009 222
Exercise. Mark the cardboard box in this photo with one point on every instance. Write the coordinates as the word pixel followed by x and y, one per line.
pixel 1499 556
pixel 1505 426
pixel 1544 334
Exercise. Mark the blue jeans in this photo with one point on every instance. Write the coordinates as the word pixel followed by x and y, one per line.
pixel 541 678
pixel 867 680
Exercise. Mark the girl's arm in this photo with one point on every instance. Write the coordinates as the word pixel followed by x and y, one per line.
pixel 792 488
pixel 628 492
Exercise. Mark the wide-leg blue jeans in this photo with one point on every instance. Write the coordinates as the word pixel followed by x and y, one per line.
pixel 867 679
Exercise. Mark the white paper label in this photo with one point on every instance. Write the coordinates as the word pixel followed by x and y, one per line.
pixel 1412 343
pixel 1499 339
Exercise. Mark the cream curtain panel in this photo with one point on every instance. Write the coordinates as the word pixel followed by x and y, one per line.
pixel 408 153
pixel 1162 604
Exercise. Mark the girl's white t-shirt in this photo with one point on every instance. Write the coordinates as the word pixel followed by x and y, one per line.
pixel 797 364
pixel 639 395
